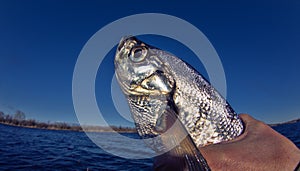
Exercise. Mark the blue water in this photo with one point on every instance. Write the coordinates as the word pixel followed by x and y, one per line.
pixel 36 149
pixel 291 131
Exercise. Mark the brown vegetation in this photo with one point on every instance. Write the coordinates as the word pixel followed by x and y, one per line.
pixel 18 119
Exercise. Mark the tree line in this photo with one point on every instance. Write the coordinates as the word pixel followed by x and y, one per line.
pixel 19 119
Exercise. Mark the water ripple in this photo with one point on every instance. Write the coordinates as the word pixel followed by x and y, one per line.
pixel 36 149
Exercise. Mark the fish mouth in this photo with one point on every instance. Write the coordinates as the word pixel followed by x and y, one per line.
pixel 125 39
pixel 130 81
pixel 122 61
pixel 126 43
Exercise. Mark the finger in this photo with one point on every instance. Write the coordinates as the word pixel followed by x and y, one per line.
pixel 247 118
pixel 250 124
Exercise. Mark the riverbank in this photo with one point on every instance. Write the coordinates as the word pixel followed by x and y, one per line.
pixel 80 129
pixel 31 123
pixel 288 122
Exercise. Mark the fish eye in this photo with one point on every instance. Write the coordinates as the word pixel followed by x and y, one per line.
pixel 138 54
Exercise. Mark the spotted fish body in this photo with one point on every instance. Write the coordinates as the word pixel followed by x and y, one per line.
pixel 205 113
pixel 161 89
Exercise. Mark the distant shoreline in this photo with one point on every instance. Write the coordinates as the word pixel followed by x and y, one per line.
pixel 288 122
pixel 19 121
pixel 56 129
pixel 31 123
pixel 103 129
pixel 86 130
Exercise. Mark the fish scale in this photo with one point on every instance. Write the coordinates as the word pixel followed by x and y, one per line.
pixel 162 89
pixel 214 107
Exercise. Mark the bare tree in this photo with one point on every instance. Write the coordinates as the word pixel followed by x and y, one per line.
pixel 1 114
pixel 19 115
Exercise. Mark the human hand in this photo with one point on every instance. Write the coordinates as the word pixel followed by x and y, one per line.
pixel 258 148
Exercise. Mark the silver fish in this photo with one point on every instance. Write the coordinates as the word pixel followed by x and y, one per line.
pixel 161 89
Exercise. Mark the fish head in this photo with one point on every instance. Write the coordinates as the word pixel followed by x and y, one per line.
pixel 139 69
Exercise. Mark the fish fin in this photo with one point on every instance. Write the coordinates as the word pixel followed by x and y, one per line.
pixel 192 155
pixel 185 153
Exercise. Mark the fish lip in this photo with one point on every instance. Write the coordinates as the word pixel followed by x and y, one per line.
pixel 124 47
pixel 122 42
pixel 127 40
pixel 123 51
pixel 124 39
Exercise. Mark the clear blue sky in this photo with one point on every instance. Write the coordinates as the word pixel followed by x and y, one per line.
pixel 257 41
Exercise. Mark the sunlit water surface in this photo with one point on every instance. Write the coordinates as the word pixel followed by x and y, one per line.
pixel 36 149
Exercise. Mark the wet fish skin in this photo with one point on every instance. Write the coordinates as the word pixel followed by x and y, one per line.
pixel 149 90
pixel 151 79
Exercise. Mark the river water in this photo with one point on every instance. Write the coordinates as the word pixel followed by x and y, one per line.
pixel 37 149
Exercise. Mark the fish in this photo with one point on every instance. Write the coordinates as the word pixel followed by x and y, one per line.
pixel 175 109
